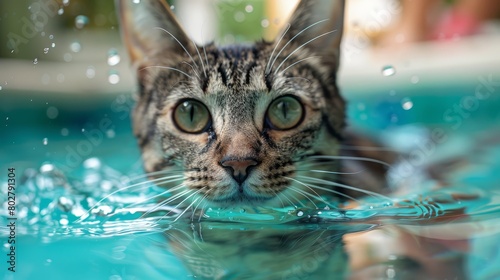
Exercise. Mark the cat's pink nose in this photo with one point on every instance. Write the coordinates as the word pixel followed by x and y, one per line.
pixel 239 167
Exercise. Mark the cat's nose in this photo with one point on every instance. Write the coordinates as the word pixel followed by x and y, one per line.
pixel 239 167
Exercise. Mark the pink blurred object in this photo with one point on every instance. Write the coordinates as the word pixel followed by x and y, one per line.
pixel 455 25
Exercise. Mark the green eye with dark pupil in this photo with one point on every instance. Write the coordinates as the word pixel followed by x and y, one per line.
pixel 191 116
pixel 284 113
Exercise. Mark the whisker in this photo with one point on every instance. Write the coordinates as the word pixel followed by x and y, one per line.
pixel 304 194
pixel 169 68
pixel 331 172
pixel 194 71
pixel 123 189
pixel 268 70
pixel 205 52
pixel 334 192
pixel 374 194
pixel 170 190
pixel 166 201
pixel 294 198
pixel 367 148
pixel 197 205
pixel 167 171
pixel 297 62
pixel 279 198
pixel 201 60
pixel 184 48
pixel 180 203
pixel 351 158
pixel 293 38
pixel 300 47
pixel 190 205
pixel 156 181
pixel 317 196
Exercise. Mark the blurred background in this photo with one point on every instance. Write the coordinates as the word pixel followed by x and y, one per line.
pixel 63 67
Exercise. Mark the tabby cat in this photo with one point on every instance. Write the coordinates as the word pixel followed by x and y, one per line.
pixel 259 124
pixel 256 125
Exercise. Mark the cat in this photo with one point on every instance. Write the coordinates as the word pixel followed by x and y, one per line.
pixel 256 125
pixel 259 124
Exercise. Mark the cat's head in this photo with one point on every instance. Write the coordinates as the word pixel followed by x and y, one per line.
pixel 237 121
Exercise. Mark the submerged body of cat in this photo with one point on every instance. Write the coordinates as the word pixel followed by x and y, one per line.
pixel 244 125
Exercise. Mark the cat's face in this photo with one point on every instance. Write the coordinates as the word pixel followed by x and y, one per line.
pixel 236 121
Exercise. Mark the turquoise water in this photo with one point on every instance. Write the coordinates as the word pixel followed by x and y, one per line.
pixel 83 211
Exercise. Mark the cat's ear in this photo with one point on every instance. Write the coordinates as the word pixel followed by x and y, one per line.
pixel 317 25
pixel 150 31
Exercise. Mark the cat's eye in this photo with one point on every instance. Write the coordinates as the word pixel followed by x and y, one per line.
pixel 191 116
pixel 284 113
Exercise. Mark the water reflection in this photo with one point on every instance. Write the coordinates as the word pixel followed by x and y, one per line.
pixel 211 250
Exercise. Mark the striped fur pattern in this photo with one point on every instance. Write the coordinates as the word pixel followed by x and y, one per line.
pixel 237 84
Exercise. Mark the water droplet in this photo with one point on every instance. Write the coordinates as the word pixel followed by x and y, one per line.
pixel 90 72
pixel 172 7
pixel 45 141
pixel 35 61
pixel 53 45
pixel 406 103
pixel 0 87
pixel 113 57
pixel 83 129
pixel 64 132
pixel 414 79
pixel 114 77
pixel 264 23
pixel 7 118
pixel 249 8
pixel 65 2
pixel 45 79
pixel 51 36
pixel 46 50
pixel 110 133
pixel 388 70
pixel 60 78
pixel 60 11
pixel 81 21
pixel 67 57
pixel 52 112
pixel 75 47
pixel 300 214
pixel 136 1
pixel 239 16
